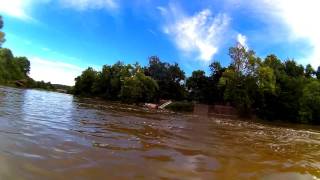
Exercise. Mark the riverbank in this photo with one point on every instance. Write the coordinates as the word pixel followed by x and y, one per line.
pixel 38 85
pixel 221 111
pixel 207 111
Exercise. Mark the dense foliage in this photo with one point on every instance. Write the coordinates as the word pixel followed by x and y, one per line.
pixel 270 88
pixel 118 82
pixel 169 77
pixel 139 88
pixel 12 68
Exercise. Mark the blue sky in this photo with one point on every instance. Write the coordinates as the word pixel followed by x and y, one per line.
pixel 62 37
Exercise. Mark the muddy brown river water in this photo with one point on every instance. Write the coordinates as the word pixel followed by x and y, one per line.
pixel 47 135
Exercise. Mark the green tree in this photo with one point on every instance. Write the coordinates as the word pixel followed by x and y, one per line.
pixel 6 56
pixel 169 78
pixel 24 64
pixel 84 83
pixel 110 80
pixel 2 40
pixel 9 70
pixel 293 69
pixel 102 85
pixel 216 69
pixel 197 85
pixel 266 79
pixel 310 103
pixel 139 88
pixel 12 68
pixel 243 60
pixel 266 96
pixel 240 79
pixel 275 63
pixel 309 71
pixel 215 91
pixel 239 90
pixel 282 100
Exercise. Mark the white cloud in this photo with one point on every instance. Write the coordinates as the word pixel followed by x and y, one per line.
pixel 54 71
pixel 200 34
pixel 242 39
pixel 90 4
pixel 15 8
pixel 301 19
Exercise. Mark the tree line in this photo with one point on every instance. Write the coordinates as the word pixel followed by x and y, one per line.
pixel 269 88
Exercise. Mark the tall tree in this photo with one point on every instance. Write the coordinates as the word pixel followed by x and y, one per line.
pixel 84 83
pixel 240 78
pixel 169 78
pixel 12 68
pixel 24 64
pixel 309 71
pixel 216 90
pixel 243 60
pixel 216 71
pixel 197 85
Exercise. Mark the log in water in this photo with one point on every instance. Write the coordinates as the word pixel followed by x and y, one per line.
pixel 47 135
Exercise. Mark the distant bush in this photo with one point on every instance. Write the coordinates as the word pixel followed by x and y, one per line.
pixel 30 83
pixel 181 106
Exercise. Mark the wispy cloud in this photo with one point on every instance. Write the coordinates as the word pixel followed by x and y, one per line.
pixel 90 4
pixel 242 39
pixel 297 18
pixel 152 32
pixel 54 71
pixel 46 49
pixel 302 18
pixel 201 33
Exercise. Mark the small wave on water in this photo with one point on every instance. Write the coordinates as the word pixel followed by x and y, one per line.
pixel 47 135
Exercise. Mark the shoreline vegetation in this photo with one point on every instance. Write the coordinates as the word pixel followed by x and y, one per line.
pixel 269 88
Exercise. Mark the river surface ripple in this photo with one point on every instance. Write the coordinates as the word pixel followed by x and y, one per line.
pixel 47 135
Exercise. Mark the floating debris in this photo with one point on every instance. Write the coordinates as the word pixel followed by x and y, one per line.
pixel 100 145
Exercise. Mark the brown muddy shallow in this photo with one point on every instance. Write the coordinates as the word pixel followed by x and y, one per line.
pixel 45 135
